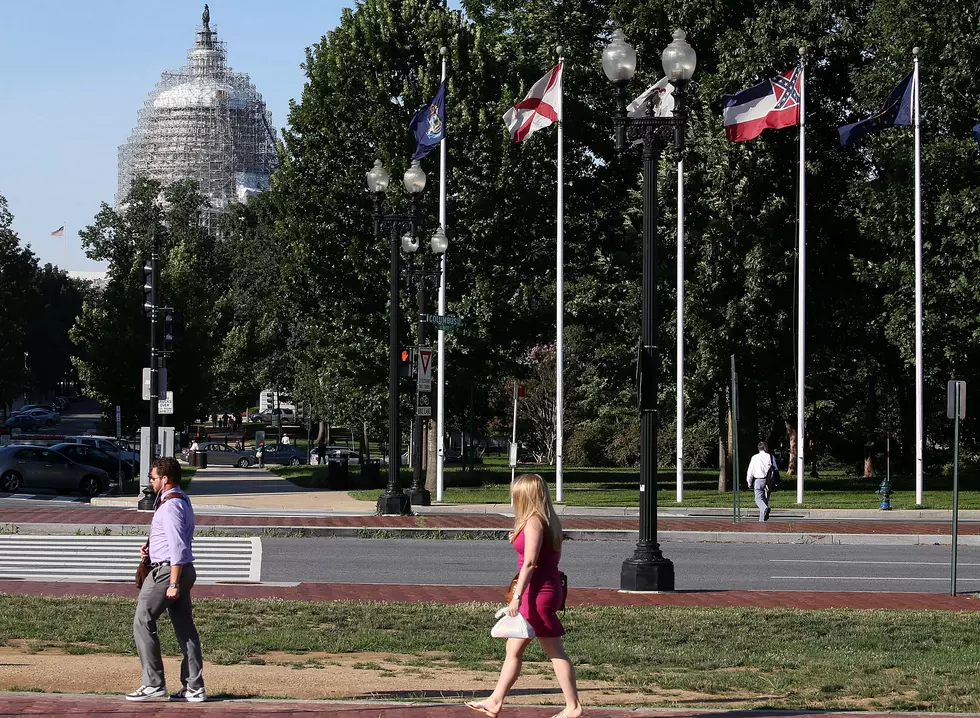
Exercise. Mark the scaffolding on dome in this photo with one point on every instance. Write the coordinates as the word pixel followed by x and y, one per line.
pixel 203 122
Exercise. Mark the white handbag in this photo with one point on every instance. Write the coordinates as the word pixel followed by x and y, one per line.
pixel 511 626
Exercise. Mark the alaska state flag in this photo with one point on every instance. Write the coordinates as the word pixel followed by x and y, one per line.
pixel 429 124
pixel 896 111
pixel 773 103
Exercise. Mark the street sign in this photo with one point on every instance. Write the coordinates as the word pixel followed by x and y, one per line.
pixel 952 388
pixel 513 454
pixel 161 383
pixel 118 422
pixel 166 406
pixel 446 323
pixel 425 405
pixel 425 369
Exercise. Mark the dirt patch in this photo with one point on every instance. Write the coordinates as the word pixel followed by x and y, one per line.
pixel 320 676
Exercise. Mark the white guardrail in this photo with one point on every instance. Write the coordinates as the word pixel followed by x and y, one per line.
pixel 114 558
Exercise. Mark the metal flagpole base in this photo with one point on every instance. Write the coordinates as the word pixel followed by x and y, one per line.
pixel 647 570
pixel 419 497
pixel 146 503
pixel 394 504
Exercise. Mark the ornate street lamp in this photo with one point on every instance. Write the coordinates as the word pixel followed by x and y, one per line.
pixel 418 494
pixel 394 500
pixel 647 569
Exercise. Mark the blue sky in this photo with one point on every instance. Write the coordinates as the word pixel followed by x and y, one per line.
pixel 75 74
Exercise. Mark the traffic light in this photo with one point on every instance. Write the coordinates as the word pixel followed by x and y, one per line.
pixel 148 289
pixel 301 412
pixel 173 328
pixel 405 364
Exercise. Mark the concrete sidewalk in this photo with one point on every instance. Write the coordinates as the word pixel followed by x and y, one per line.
pixel 46 704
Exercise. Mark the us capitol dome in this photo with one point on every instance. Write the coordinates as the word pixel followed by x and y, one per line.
pixel 203 122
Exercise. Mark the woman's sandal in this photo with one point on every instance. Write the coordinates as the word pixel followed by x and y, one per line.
pixel 480 708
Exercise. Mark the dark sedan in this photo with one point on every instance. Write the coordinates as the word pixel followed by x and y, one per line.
pixel 91 456
pixel 40 467
pixel 286 455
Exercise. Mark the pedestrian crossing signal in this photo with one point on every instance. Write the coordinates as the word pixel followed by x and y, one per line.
pixel 405 363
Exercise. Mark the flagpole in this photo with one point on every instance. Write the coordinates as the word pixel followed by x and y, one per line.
pixel 919 427
pixel 441 381
pixel 801 309
pixel 560 279
pixel 680 330
pixel 65 268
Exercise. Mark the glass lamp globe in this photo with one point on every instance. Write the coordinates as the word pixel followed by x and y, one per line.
pixel 439 242
pixel 378 177
pixel 409 243
pixel 679 58
pixel 414 178
pixel 619 59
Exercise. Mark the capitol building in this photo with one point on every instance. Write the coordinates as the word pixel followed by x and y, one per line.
pixel 203 122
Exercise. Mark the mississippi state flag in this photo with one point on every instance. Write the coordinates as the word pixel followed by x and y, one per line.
pixel 773 103
pixel 538 109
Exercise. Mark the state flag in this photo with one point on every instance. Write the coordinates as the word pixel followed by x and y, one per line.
pixel 897 110
pixel 538 109
pixel 429 124
pixel 772 104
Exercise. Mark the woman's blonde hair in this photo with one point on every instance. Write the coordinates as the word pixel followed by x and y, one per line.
pixel 531 498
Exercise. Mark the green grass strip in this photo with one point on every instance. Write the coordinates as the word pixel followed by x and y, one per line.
pixel 829 659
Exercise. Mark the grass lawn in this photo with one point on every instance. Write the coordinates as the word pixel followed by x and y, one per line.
pixel 789 659
pixel 834 489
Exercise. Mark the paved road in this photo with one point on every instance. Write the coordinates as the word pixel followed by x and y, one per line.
pixel 597 564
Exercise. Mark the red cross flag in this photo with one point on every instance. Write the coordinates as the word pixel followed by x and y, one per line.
pixel 538 109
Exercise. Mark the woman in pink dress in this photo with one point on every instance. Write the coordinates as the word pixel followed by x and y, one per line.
pixel 537 538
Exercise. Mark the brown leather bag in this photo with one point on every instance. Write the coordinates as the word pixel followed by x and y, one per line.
pixel 142 571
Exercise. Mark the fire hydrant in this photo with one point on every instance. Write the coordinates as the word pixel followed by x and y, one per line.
pixel 884 493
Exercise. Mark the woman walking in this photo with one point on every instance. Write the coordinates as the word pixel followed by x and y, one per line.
pixel 537 596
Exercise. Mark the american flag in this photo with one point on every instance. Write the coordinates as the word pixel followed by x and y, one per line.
pixel 60 232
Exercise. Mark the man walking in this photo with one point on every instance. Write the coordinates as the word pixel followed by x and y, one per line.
pixel 168 588
pixel 260 454
pixel 756 476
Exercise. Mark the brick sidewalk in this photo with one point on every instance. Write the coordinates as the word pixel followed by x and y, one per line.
pixel 130 517
pixel 395 593
pixel 32 704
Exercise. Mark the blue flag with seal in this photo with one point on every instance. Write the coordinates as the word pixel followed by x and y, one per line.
pixel 896 111
pixel 429 124
pixel 976 133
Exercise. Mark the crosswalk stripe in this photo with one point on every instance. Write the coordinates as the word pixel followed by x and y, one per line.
pixel 112 558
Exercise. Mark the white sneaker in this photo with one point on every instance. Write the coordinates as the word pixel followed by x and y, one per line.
pixel 191 695
pixel 148 693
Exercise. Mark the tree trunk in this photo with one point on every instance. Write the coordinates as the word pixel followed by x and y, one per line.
pixel 365 447
pixel 730 458
pixel 432 457
pixel 723 469
pixel 320 432
pixel 793 448
pixel 869 458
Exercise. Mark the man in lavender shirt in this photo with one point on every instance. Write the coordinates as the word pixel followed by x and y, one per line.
pixel 168 588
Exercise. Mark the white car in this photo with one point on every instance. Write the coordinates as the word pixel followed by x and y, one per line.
pixel 335 454
pixel 43 416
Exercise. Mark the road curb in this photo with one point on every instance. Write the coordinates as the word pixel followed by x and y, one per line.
pixel 498 534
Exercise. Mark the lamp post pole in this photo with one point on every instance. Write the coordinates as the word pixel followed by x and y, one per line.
pixel 647 569
pixel 394 500
pixel 150 307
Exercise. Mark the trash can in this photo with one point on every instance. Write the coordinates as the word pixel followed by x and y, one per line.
pixel 202 459
pixel 337 473
pixel 192 458
pixel 371 473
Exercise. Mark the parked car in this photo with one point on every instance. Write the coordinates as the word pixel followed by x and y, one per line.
pixel 107 444
pixel 39 467
pixel 28 407
pixel 91 456
pixel 24 422
pixel 286 455
pixel 220 454
pixel 336 454
pixel 44 417
pixel 287 414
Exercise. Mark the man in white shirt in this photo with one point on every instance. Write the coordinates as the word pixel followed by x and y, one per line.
pixel 285 439
pixel 756 478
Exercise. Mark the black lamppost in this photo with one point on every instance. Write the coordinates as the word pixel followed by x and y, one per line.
pixel 151 307
pixel 394 500
pixel 647 569
pixel 418 495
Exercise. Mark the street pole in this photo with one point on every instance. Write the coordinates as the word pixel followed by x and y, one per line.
pixel 418 495
pixel 647 569
pixel 146 503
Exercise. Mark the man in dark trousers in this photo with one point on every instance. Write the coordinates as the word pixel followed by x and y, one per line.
pixel 168 588
pixel 759 468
